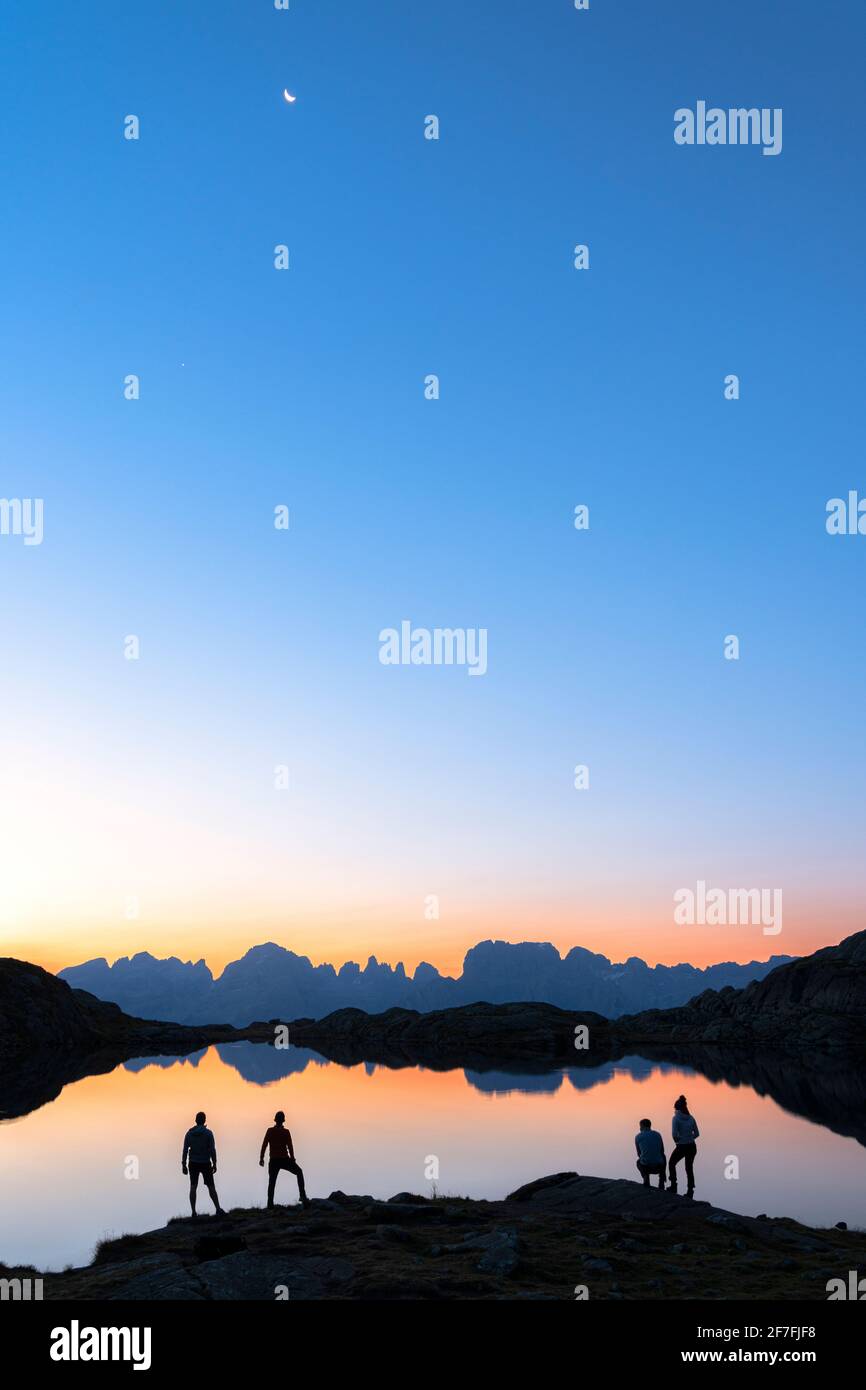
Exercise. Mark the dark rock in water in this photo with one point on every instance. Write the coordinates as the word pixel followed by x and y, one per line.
pixel 841 1226
pixel 474 1036
pixel 407 1197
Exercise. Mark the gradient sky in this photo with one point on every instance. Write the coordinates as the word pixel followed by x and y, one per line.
pixel 155 778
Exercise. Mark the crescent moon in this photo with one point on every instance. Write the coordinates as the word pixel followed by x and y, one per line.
pixel 288 95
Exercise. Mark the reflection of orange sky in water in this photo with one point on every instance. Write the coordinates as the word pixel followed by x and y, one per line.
pixel 374 1133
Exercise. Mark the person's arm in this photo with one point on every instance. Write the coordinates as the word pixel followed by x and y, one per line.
pixel 213 1151
pixel 264 1146
pixel 185 1151
pixel 290 1144
pixel 697 1131
pixel 636 1146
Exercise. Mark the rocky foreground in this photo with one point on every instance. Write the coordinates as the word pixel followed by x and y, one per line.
pixel 547 1240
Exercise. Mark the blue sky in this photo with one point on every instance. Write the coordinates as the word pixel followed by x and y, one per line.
pixel 558 387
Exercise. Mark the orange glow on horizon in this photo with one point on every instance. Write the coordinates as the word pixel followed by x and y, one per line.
pixel 441 943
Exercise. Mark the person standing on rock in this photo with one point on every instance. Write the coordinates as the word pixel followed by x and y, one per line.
pixel 282 1156
pixel 685 1132
pixel 200 1147
pixel 650 1153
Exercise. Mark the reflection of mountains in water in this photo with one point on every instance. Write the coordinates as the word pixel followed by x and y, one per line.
pixel 257 1063
pixel 830 1094
pixel 585 1078
pixel 261 1064
pixel 190 1059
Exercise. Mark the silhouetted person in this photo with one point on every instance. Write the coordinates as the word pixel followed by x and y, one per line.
pixel 685 1132
pixel 650 1153
pixel 199 1145
pixel 279 1140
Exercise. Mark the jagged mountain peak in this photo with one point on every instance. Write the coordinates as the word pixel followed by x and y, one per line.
pixel 271 981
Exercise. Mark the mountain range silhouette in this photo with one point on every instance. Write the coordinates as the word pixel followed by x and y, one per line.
pixel 270 981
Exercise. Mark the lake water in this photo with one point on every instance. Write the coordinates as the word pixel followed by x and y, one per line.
pixel 368 1129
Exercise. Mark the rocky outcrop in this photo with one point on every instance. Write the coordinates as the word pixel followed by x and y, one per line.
pixel 477 1035
pixel 51 1035
pixel 613 1237
pixel 817 1001
pixel 39 1012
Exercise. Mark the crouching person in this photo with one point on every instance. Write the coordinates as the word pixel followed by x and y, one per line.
pixel 650 1153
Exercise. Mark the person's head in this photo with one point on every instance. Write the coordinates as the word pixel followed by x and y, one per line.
pixel 280 1117
pixel 681 1105
pixel 200 1118
pixel 646 1124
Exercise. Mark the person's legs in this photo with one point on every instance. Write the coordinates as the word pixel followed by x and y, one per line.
pixel 299 1174
pixel 211 1187
pixel 660 1169
pixel 677 1154
pixel 689 1152
pixel 193 1184
pixel 273 1169
pixel 644 1172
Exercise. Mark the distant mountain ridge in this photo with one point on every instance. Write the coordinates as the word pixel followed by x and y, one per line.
pixel 270 981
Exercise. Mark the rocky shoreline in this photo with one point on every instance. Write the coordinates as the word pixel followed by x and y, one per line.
pixel 559 1238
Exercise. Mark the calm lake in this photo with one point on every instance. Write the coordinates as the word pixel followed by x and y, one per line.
pixel 64 1168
